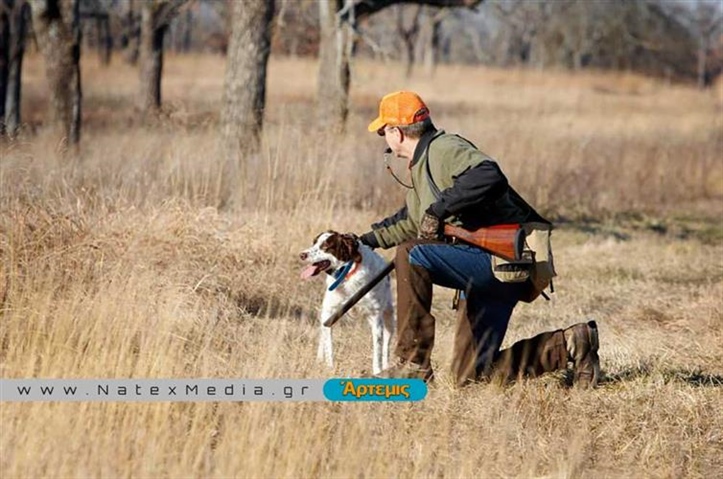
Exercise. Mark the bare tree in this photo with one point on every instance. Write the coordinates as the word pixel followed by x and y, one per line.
pixel 338 19
pixel 95 17
pixel 704 19
pixel 245 81
pixel 409 34
pixel 57 28
pixel 431 33
pixel 658 37
pixel 105 41
pixel 4 60
pixel 335 50
pixel 131 36
pixel 187 32
pixel 297 28
pixel 19 18
pixel 156 15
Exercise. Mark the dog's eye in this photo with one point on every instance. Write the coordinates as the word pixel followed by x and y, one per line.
pixel 328 244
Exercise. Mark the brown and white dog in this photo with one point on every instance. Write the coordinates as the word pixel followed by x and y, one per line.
pixel 349 264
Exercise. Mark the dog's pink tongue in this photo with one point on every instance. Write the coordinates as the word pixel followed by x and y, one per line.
pixel 309 271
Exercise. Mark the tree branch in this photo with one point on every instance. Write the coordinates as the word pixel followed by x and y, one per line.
pixel 364 8
pixel 167 12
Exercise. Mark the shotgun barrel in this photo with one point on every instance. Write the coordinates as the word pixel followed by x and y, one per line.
pixel 329 322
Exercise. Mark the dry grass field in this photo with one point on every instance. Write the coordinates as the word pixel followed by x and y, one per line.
pixel 138 257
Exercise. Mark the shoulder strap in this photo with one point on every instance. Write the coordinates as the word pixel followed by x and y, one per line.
pixel 432 184
pixel 430 179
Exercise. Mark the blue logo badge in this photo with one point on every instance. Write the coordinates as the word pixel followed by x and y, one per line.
pixel 374 389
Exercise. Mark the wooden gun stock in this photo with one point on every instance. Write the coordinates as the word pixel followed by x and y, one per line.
pixel 505 241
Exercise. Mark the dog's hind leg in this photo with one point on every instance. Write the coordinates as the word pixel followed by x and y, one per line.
pixel 388 332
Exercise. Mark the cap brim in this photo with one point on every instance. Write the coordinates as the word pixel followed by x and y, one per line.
pixel 376 125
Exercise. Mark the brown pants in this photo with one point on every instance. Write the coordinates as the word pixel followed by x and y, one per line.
pixel 415 323
pixel 530 357
pixel 472 357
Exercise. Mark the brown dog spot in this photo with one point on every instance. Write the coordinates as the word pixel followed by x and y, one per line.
pixel 344 247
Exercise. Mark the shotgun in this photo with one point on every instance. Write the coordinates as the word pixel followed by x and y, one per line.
pixel 329 322
pixel 506 241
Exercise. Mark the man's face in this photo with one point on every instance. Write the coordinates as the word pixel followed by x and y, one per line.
pixel 394 138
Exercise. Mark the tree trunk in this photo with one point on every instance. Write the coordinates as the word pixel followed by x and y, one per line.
pixel 4 61
pixel 245 82
pixel 104 45
pixel 702 64
pixel 57 27
pixel 187 32
pixel 335 50
pixel 432 40
pixel 409 37
pixel 18 25
pixel 76 90
pixel 156 16
pixel 151 52
pixel 131 34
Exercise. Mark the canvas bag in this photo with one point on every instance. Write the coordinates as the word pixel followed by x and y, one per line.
pixel 536 264
pixel 542 269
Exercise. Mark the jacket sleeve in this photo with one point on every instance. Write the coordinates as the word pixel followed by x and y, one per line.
pixel 478 185
pixel 395 218
pixel 393 230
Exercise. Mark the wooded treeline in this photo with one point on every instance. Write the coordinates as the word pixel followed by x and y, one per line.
pixel 677 40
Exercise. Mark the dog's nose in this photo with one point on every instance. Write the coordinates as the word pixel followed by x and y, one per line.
pixel 303 256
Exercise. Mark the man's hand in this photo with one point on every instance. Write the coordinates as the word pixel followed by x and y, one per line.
pixel 430 228
pixel 369 239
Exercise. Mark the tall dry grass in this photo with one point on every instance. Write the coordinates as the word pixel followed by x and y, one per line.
pixel 139 258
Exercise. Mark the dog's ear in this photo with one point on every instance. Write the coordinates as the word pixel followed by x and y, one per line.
pixel 351 247
pixel 345 247
pixel 334 245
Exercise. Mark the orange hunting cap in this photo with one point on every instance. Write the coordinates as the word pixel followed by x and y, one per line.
pixel 400 108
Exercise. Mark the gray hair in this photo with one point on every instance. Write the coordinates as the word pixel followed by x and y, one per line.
pixel 416 130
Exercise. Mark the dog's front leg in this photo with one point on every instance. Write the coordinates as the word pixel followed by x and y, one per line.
pixel 376 324
pixel 325 351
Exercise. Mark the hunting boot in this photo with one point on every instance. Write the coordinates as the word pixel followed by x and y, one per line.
pixel 415 323
pixel 551 351
pixel 582 345
pixel 532 357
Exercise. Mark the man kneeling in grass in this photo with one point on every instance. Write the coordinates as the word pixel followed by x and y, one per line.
pixel 454 182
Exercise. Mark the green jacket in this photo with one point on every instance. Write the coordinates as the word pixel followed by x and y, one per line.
pixel 474 191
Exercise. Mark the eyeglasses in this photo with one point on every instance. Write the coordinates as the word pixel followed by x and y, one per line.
pixel 383 130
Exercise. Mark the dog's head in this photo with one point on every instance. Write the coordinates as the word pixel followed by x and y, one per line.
pixel 329 252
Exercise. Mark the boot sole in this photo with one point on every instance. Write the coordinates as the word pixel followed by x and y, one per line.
pixel 592 334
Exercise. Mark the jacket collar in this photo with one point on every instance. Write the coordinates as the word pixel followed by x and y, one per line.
pixel 424 142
